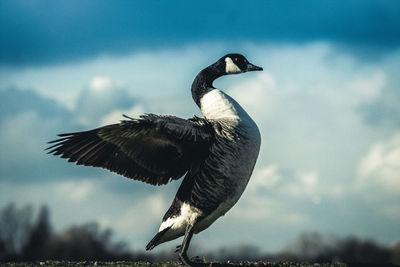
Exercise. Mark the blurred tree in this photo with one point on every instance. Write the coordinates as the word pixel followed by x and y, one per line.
pixel 354 250
pixel 25 239
pixel 35 247
pixel 15 225
pixel 395 251
pixel 22 239
pixel 86 242
pixel 314 247
pixel 2 249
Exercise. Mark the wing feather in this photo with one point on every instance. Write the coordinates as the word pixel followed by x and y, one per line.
pixel 153 149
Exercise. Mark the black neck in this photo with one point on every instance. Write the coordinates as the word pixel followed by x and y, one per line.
pixel 203 83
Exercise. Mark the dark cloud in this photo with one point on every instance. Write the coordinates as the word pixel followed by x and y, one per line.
pixel 27 122
pixel 14 101
pixel 43 32
pixel 383 110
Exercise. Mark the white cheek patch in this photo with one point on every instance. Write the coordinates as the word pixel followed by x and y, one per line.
pixel 231 67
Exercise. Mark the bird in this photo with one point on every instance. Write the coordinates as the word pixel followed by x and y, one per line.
pixel 214 154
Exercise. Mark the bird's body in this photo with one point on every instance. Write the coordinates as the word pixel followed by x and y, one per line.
pixel 222 180
pixel 215 154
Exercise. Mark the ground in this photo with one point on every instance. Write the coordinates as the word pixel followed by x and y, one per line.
pixel 166 264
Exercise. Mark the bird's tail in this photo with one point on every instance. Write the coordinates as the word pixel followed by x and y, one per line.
pixel 155 241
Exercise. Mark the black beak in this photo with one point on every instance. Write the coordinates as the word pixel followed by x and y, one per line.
pixel 251 67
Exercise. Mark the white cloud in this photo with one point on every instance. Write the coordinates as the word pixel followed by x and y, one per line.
pixel 269 183
pixel 77 191
pixel 309 185
pixel 378 178
pixel 264 178
pixel 380 168
pixel 305 184
pixel 100 97
pixel 102 83
pixel 368 87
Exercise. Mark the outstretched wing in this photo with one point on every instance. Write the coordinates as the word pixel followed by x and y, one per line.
pixel 152 149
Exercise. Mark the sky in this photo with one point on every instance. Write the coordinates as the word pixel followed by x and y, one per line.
pixel 327 105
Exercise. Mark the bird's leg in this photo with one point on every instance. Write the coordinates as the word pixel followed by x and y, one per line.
pixel 185 245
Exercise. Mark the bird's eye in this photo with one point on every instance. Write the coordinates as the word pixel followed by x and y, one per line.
pixel 236 59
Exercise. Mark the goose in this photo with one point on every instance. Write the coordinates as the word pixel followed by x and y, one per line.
pixel 215 155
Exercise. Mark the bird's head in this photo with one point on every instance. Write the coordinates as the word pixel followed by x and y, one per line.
pixel 235 64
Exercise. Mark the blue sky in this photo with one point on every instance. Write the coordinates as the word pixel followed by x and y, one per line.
pixel 327 104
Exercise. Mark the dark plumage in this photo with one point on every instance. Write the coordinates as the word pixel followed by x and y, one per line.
pixel 152 149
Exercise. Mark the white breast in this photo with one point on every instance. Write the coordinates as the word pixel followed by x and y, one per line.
pixel 218 105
